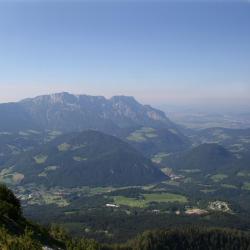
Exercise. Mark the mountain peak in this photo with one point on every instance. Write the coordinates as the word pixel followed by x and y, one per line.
pixel 51 98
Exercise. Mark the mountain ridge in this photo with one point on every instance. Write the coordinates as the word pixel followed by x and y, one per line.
pixel 118 109
pixel 68 112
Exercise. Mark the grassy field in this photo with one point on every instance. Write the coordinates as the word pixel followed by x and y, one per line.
pixel 47 198
pixel 246 186
pixel 131 202
pixel 228 186
pixel 53 134
pixel 142 134
pixel 22 133
pixel 165 197
pixel 47 170
pixel 12 178
pixel 79 158
pixel 148 198
pixel 75 147
pixel 218 177
pixel 207 191
pixel 172 183
pixel 63 147
pixel 243 174
pixel 196 170
pixel 159 157
pixel 54 199
pixel 40 159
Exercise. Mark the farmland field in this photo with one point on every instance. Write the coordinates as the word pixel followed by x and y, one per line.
pixel 146 199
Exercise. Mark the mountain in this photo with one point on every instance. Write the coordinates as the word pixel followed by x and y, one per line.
pixel 14 117
pixel 207 157
pixel 151 141
pixel 67 112
pixel 121 116
pixel 80 159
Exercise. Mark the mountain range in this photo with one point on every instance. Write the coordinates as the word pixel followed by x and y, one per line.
pixel 127 133
pixel 67 112
pixel 145 128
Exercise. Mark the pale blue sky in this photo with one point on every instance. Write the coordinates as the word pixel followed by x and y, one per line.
pixel 158 51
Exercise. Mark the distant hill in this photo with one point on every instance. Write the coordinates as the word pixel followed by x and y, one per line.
pixel 151 141
pixel 236 140
pixel 78 159
pixel 206 157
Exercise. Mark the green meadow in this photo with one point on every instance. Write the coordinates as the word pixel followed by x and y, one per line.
pixel 146 199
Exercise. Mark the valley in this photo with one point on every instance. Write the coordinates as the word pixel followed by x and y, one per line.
pixel 185 201
pixel 135 171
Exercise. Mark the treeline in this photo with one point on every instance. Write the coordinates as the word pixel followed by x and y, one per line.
pixel 188 238
pixel 172 239
pixel 191 238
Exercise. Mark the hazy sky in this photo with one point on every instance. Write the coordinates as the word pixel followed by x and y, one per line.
pixel 158 51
